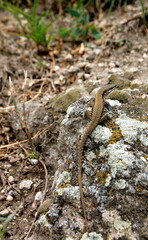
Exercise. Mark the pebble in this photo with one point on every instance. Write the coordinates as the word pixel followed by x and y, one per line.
pixel 101 64
pixel 61 77
pixel 4 212
pixel 9 198
pixel 145 55
pixel 86 75
pixel 11 179
pixel 33 161
pixel 140 60
pixel 97 51
pixel 68 57
pixel 73 69
pixel 56 68
pixel 132 69
pixel 111 64
pixel 25 184
pixel 38 196
pixel 22 156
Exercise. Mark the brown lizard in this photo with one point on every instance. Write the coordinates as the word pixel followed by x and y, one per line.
pixel 96 117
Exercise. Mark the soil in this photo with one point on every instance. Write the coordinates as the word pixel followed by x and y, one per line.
pixel 26 76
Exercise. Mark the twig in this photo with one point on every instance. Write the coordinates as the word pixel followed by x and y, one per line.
pixel 8 108
pixel 26 140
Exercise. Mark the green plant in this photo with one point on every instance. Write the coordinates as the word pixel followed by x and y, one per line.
pixel 80 29
pixel 3 227
pixel 34 27
pixel 143 10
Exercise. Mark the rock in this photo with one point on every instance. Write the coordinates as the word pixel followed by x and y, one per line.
pixel 37 118
pixel 146 88
pixel 44 206
pixel 113 174
pixel 69 57
pixel 132 69
pixel 112 65
pixel 38 196
pixel 11 179
pixel 5 212
pixel 33 161
pixel 73 69
pixel 61 103
pixel 25 184
pixel 56 68
pixel 120 95
pixel 9 198
pixel 92 236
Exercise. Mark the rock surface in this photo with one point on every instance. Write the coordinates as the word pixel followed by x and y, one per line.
pixel 114 177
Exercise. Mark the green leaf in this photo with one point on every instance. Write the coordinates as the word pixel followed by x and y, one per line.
pixel 73 13
pixel 63 32
pixel 96 34
pixel 2 219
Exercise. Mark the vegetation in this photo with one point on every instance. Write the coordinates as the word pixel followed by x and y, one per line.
pixel 34 27
pixel 6 221
pixel 80 27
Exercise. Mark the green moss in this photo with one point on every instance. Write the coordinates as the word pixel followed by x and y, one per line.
pixel 115 79
pixel 101 177
pixel 128 75
pixel 146 88
pixel 44 206
pixel 63 101
pixel 119 224
pixel 121 95
pixel 135 85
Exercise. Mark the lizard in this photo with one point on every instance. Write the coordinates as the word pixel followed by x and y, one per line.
pixel 96 117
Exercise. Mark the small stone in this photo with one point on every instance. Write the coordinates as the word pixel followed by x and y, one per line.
pixel 97 51
pixel 11 179
pixel 101 64
pixel 61 77
pixel 4 212
pixel 82 64
pixel 91 56
pixel 44 206
pixel 68 57
pixel 22 156
pixel 86 75
pixel 145 55
pixel 56 68
pixel 73 69
pixel 33 161
pixel 26 184
pixel 132 69
pixel 111 64
pixel 38 196
pixel 9 198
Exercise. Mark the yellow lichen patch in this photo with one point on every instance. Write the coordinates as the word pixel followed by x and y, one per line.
pixel 145 156
pixel 116 132
pixel 101 177
pixel 62 185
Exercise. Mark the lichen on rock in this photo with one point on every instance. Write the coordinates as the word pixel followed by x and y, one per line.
pixel 113 175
